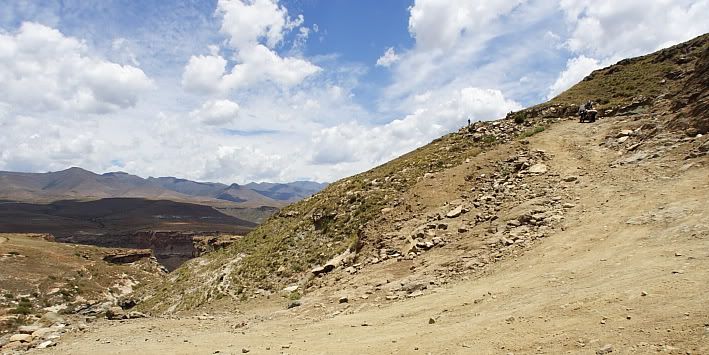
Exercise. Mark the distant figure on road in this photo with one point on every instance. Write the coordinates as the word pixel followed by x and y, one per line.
pixel 587 113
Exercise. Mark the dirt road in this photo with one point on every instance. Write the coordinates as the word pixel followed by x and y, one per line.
pixel 629 272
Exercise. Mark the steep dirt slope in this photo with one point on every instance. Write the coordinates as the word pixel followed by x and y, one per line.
pixel 623 268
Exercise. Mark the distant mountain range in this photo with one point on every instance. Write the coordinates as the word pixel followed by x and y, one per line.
pixel 79 184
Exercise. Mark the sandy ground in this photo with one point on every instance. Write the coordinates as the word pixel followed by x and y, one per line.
pixel 629 272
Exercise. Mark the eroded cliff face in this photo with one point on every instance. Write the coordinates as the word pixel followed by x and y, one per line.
pixel 170 248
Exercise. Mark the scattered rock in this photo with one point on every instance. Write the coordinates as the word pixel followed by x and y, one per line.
pixel 431 320
pixel 293 304
pixel 343 299
pixel 571 178
pixel 244 350
pixel 643 293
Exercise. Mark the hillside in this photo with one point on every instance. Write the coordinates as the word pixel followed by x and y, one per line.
pixel 529 234
pixel 398 210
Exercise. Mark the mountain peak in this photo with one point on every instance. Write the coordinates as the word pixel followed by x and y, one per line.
pixel 74 170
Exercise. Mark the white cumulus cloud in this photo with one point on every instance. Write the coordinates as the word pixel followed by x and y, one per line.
pixel 254 29
pixel 43 69
pixel 439 24
pixel 363 146
pixel 605 31
pixel 607 28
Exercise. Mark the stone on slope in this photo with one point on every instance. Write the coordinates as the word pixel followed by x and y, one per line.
pixel 605 349
pixel 290 289
pixel 115 313
pixel 334 263
pixel 46 344
pixel 538 168
pixel 28 329
pixel 455 212
pixel 23 338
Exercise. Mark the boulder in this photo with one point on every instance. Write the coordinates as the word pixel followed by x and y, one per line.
pixel 28 329
pixel 335 262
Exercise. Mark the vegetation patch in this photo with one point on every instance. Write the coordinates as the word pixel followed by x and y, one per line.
pixel 531 132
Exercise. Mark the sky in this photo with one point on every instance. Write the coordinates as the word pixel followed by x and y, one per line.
pixel 285 90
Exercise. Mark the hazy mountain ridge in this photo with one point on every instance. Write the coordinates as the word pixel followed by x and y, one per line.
pixel 78 183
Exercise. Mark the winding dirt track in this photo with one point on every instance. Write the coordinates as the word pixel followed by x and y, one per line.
pixel 640 287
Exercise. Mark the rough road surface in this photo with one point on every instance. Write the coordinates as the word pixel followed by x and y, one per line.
pixel 626 272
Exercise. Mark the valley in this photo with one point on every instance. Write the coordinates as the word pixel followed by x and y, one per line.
pixel 167 215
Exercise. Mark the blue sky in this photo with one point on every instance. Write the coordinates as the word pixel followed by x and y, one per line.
pixel 268 90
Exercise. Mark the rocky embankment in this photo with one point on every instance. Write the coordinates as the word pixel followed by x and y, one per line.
pixel 48 289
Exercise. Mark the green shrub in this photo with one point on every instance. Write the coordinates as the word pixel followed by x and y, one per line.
pixel 24 307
